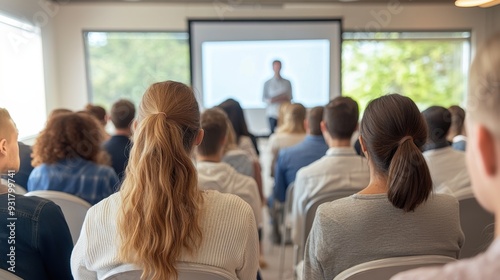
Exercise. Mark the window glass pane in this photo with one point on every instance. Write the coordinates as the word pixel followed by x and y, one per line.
pixel 22 87
pixel 431 68
pixel 124 64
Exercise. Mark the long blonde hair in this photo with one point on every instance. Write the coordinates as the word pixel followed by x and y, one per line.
pixel 293 119
pixel 160 212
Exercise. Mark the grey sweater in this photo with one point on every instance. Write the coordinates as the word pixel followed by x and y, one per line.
pixel 361 228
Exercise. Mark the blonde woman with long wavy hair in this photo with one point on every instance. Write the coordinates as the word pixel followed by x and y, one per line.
pixel 160 217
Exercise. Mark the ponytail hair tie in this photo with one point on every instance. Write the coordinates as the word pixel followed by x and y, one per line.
pixel 162 113
pixel 407 137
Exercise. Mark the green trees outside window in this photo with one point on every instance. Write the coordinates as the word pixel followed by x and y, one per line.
pixel 429 67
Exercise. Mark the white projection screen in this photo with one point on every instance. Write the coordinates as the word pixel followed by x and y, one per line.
pixel 233 59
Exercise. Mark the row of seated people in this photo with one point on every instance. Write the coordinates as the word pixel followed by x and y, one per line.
pixel 155 221
pixel 325 160
pixel 192 223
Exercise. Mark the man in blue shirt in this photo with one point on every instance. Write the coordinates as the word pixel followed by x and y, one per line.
pixel 291 159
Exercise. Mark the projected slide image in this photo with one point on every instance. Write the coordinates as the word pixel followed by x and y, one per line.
pixel 239 69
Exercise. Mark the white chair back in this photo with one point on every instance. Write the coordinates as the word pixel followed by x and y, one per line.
pixel 386 268
pixel 477 224
pixel 17 188
pixel 7 275
pixel 73 208
pixel 187 271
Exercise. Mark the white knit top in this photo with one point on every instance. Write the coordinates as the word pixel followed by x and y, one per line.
pixel 229 241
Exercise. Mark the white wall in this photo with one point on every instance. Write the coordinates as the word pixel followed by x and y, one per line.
pixel 64 47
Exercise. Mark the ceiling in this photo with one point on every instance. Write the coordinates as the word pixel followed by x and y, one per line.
pixel 252 2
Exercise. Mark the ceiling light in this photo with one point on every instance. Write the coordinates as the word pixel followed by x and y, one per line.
pixel 490 4
pixel 475 3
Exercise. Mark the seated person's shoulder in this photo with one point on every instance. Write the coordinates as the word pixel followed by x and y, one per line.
pixel 32 205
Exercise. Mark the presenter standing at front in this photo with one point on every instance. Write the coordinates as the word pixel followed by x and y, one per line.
pixel 277 90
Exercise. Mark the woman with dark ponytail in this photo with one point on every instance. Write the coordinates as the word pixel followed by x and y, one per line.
pixel 396 214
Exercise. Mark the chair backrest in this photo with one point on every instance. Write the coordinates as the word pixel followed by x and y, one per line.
pixel 386 268
pixel 315 202
pixel 73 208
pixel 477 224
pixel 187 271
pixel 6 275
pixel 18 189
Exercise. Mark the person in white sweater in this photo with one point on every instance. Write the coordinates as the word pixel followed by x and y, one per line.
pixel 213 174
pixel 395 214
pixel 160 216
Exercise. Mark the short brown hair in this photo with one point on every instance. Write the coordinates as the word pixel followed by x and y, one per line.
pixel 122 113
pixel 393 130
pixel 70 135
pixel 98 112
pixel 484 85
pixel 214 123
pixel 314 119
pixel 341 117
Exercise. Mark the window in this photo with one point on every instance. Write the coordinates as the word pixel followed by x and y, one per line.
pixel 124 64
pixel 429 67
pixel 22 87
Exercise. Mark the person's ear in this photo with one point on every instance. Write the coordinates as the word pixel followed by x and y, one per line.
pixel 322 125
pixel 3 147
pixel 486 148
pixel 363 146
pixel 199 137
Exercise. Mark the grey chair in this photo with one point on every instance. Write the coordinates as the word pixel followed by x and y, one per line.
pixel 6 275
pixel 73 208
pixel 386 268
pixel 477 224
pixel 187 271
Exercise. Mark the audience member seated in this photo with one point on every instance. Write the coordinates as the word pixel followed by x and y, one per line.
pixel 447 166
pixel 236 157
pixel 118 146
pixel 456 134
pixel 291 159
pixel 68 158
pixel 483 157
pixel 57 112
pixel 289 133
pixel 100 114
pixel 160 215
pixel 35 240
pixel 21 176
pixel 244 139
pixel 213 174
pixel 395 215
pixel 340 169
